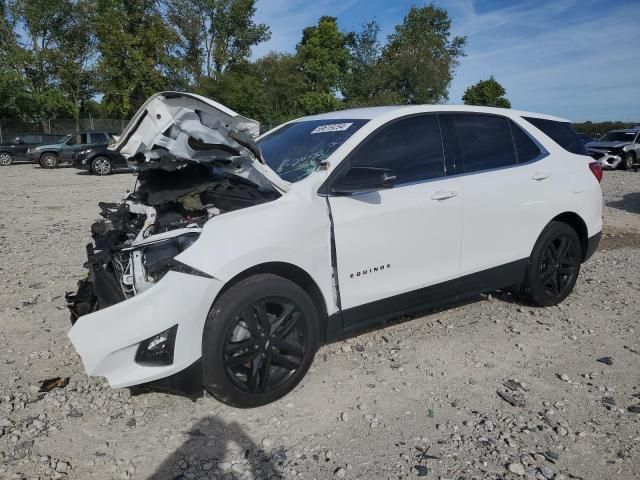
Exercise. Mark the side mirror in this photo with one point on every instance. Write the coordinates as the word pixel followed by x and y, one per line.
pixel 20 141
pixel 365 179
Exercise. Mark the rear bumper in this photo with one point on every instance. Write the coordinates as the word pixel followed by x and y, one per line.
pixel 592 245
pixel 107 340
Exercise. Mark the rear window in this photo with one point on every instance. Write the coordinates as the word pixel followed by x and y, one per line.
pixel 562 133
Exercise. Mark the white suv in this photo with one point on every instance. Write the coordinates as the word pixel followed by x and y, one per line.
pixel 241 257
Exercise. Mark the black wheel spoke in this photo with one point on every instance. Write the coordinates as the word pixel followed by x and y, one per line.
pixel 231 348
pixel 241 359
pixel 263 317
pixel 289 348
pixel 283 361
pixel 288 325
pixel 265 372
pixel 563 249
pixel 282 318
pixel 555 284
pixel 255 373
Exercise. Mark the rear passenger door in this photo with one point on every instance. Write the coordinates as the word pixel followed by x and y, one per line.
pixel 506 187
pixel 397 248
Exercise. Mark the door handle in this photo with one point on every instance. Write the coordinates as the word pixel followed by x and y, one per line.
pixel 541 176
pixel 443 195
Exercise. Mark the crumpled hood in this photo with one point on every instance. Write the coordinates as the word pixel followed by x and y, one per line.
pixel 607 144
pixel 174 126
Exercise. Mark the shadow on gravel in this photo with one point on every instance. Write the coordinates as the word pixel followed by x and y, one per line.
pixel 216 447
pixel 629 203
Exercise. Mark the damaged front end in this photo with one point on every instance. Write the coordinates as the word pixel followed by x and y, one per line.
pixel 195 159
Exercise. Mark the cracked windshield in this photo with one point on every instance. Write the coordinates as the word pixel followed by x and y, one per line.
pixel 296 150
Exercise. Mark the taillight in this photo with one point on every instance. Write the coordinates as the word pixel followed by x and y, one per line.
pixel 596 169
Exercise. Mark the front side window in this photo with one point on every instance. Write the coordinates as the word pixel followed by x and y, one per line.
pixel 411 147
pixel 562 133
pixel 475 142
pixel 297 149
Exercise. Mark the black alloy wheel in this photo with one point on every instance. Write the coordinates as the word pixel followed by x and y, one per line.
pixel 559 266
pixel 554 265
pixel 259 340
pixel 265 346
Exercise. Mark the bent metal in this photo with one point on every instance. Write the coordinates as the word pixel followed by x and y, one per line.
pixel 371 270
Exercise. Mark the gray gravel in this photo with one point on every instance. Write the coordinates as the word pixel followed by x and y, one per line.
pixel 423 397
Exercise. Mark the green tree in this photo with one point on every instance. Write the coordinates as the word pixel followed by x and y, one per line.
pixel 32 59
pixel 488 93
pixel 324 57
pixel 137 54
pixel 76 55
pixel 238 88
pixel 215 34
pixel 419 60
pixel 283 83
pixel 364 48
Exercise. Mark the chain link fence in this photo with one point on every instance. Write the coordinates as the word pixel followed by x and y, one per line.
pixel 12 127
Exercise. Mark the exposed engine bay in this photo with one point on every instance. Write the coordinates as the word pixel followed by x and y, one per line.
pixel 201 164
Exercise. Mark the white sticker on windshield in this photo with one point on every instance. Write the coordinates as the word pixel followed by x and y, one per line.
pixel 332 127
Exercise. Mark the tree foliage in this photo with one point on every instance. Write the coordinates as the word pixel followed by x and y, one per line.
pixel 488 93
pixel 106 57
pixel 419 60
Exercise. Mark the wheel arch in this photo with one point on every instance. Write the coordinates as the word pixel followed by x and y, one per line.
pixel 576 222
pixel 292 273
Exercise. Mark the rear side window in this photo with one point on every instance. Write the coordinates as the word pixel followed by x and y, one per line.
pixel 98 137
pixel 562 133
pixel 412 147
pixel 475 142
pixel 526 149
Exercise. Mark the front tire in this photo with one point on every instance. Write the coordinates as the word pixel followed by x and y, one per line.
pixel 259 341
pixel 49 160
pixel 101 166
pixel 6 159
pixel 627 161
pixel 554 265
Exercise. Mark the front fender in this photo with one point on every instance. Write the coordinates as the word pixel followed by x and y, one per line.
pixel 292 230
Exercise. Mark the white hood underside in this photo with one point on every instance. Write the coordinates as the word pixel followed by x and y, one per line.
pixel 190 127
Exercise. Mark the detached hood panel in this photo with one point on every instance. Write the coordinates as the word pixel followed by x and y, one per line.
pixel 172 127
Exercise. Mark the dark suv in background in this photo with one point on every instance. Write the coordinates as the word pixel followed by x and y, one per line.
pixel 16 149
pixel 52 155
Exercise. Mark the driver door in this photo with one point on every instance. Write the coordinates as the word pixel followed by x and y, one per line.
pixel 398 249
pixel 76 143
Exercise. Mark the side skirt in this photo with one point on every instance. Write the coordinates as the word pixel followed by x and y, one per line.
pixel 362 316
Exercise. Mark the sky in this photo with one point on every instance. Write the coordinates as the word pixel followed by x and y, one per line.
pixel 577 59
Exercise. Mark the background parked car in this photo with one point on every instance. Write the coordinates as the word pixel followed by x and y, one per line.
pixel 617 149
pixel 16 149
pixel 99 161
pixel 52 155
pixel 586 138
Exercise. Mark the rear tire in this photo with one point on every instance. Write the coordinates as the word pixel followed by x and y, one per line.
pixel 554 265
pixel 49 160
pixel 101 166
pixel 259 340
pixel 6 159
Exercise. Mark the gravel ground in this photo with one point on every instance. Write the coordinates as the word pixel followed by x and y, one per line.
pixel 418 398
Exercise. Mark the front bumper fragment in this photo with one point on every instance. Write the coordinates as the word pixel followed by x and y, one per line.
pixel 107 340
